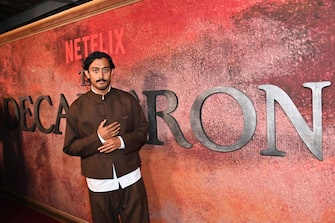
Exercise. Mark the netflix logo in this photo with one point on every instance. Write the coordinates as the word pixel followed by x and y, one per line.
pixel 110 42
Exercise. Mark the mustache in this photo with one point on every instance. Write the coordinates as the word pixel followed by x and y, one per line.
pixel 104 80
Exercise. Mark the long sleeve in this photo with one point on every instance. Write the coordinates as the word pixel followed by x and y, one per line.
pixel 81 138
pixel 137 137
pixel 74 143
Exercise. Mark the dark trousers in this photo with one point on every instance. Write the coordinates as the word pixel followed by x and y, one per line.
pixel 128 205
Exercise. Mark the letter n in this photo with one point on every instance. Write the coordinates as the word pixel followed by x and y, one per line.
pixel 312 138
pixel 69 51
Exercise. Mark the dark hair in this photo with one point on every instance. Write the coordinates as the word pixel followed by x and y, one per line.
pixel 97 55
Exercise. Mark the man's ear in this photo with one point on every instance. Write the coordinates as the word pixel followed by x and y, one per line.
pixel 87 74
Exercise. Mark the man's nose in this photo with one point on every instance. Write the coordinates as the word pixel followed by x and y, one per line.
pixel 101 73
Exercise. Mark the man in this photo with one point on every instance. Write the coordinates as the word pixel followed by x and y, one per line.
pixel 106 127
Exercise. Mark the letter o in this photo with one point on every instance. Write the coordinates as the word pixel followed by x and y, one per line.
pixel 249 119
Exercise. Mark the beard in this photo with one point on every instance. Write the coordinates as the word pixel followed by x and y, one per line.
pixel 101 84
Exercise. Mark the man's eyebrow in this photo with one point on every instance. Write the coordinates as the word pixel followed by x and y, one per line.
pixel 101 67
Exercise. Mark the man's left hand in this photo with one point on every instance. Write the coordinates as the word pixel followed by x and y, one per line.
pixel 110 145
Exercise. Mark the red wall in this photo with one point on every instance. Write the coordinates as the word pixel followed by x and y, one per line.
pixel 186 47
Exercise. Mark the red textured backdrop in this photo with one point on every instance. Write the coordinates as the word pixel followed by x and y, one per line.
pixel 187 47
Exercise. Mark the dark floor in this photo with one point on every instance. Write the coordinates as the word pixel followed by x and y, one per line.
pixel 12 211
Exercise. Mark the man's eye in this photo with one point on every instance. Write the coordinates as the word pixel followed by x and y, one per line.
pixel 106 70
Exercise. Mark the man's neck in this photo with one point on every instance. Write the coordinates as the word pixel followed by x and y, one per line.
pixel 103 93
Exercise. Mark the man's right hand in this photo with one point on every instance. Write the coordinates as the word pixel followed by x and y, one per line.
pixel 109 131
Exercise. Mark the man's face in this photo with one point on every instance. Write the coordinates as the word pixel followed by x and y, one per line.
pixel 100 75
